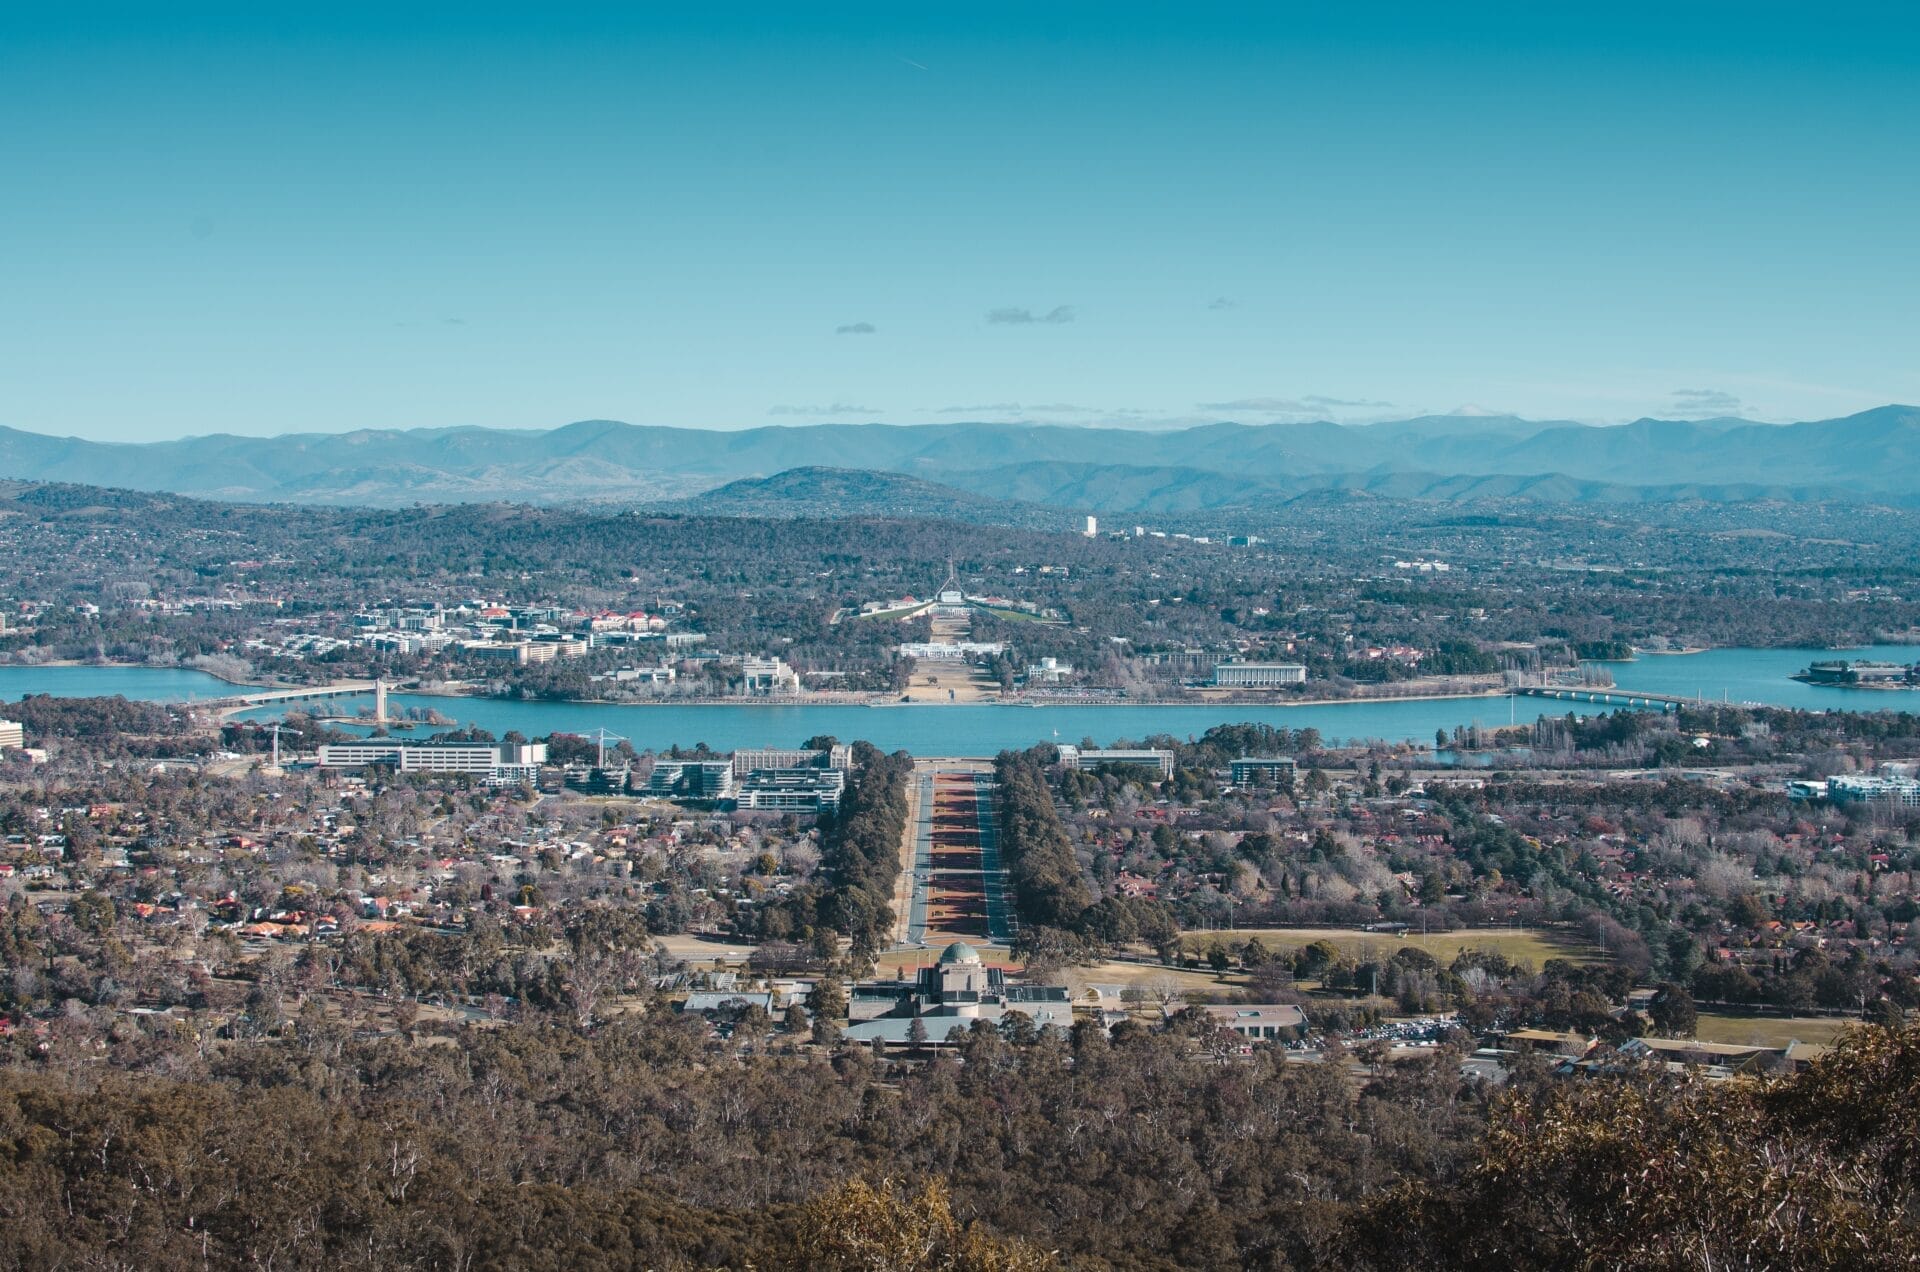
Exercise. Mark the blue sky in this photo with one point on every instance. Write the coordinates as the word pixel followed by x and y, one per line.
pixel 271 218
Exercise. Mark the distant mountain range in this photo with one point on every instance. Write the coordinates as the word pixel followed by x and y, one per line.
pixel 1872 456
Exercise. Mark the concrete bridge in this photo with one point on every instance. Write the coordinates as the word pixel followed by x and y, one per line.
pixel 1607 697
pixel 269 697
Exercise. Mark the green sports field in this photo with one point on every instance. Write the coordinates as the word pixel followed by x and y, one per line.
pixel 1529 945
pixel 1769 1031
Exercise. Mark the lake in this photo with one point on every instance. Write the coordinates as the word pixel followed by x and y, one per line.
pixel 1764 675
pixel 1737 675
pixel 142 684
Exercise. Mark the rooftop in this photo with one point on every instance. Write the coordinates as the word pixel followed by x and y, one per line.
pixel 959 952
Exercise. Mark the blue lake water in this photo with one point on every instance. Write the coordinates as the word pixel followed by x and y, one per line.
pixel 142 684
pixel 979 729
pixel 1765 675
pixel 1737 675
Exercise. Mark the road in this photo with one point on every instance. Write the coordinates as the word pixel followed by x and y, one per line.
pixel 956 884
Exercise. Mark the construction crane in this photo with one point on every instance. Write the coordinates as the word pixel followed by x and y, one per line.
pixel 602 736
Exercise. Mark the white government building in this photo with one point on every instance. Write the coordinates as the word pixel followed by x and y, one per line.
pixel 503 761
pixel 1258 675
pixel 1089 761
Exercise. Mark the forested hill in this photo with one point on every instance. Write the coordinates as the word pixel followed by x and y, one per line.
pixel 838 492
pixel 1872 455
pixel 641 1143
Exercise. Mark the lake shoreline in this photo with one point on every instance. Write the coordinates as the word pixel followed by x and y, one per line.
pixel 1016 704
pixel 451 692
pixel 106 663
pixel 986 728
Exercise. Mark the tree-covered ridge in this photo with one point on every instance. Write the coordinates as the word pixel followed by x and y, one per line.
pixel 1060 917
pixel 1819 1170
pixel 1047 888
pixel 641 1144
pixel 859 863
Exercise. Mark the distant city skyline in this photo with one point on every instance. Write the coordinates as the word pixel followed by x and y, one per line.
pixel 225 218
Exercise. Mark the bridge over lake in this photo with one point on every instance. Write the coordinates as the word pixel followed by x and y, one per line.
pixel 274 697
pixel 1608 697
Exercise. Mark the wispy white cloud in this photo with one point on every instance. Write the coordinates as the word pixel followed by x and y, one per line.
pixel 1314 399
pixel 836 408
pixel 1028 409
pixel 1705 402
pixel 1310 404
pixel 1259 406
pixel 981 408
pixel 1014 317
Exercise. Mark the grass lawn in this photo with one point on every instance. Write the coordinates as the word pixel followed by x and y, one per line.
pixel 1528 945
pixel 955 682
pixel 1184 980
pixel 1769 1031
pixel 1187 980
pixel 697 949
pixel 893 960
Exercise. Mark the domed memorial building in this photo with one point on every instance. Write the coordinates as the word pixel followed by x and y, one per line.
pixel 956 991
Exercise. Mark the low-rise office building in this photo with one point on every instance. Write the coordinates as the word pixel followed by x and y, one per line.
pixel 1048 671
pixel 1249 769
pixel 640 676
pixel 1264 1022
pixel 692 779
pixel 838 756
pixel 793 790
pixel 1689 1052
pixel 1183 662
pixel 508 761
pixel 1093 761
pixel 949 651
pixel 1859 788
pixel 516 654
pixel 768 675
pixel 1852 672
pixel 1258 675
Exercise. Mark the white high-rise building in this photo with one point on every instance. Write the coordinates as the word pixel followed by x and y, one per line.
pixel 1093 527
